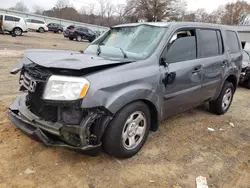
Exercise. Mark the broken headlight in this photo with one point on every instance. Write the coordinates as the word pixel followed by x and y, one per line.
pixel 65 88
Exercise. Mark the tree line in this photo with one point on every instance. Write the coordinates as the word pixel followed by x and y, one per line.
pixel 106 13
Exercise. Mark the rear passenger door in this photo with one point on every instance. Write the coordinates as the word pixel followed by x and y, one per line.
pixel 9 23
pixel 214 60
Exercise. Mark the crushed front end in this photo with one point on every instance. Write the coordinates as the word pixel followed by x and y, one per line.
pixel 58 123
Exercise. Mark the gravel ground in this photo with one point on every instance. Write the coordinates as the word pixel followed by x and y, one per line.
pixel 174 156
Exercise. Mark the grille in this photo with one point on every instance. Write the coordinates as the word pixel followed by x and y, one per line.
pixel 33 79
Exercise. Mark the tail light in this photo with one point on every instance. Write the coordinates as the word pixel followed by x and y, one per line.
pixel 73 30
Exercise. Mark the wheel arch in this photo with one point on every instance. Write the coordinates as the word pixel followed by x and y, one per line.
pixel 233 79
pixel 17 27
pixel 147 97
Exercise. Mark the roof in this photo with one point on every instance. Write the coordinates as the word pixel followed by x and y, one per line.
pixel 12 15
pixel 157 24
pixel 177 24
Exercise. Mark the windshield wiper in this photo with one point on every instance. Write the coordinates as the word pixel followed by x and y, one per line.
pixel 98 49
pixel 124 54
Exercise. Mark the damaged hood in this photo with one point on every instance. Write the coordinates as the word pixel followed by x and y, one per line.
pixel 63 59
pixel 68 59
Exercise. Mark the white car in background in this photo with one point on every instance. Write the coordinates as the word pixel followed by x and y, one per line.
pixel 36 25
pixel 13 24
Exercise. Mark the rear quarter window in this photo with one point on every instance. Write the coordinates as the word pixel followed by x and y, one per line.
pixel 233 41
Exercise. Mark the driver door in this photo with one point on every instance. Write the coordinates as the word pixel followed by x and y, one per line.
pixel 183 73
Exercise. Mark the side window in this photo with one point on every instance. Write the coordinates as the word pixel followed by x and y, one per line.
pixel 211 45
pixel 8 18
pixel 1 17
pixel 182 47
pixel 233 41
pixel 16 19
pixel 28 20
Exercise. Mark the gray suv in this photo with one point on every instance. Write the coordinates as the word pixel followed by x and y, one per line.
pixel 124 84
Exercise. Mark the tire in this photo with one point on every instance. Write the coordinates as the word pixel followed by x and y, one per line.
pixel 17 31
pixel 223 102
pixel 59 31
pixel 78 38
pixel 248 84
pixel 41 30
pixel 71 38
pixel 123 127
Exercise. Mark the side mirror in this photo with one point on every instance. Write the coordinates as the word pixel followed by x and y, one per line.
pixel 163 62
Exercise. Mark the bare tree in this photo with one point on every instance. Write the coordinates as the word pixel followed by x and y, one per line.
pixel 38 9
pixel 120 12
pixel 62 4
pixel 152 10
pixel 20 6
pixel 234 11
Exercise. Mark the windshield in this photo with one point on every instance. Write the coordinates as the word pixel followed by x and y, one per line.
pixel 128 42
pixel 245 56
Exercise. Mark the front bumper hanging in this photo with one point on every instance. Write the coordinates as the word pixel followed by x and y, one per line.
pixel 50 133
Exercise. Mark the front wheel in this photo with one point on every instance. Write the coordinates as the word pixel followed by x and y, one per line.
pixel 223 102
pixel 59 31
pixel 128 131
pixel 248 84
pixel 71 38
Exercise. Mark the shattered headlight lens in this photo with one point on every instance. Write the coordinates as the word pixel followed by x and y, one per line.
pixel 65 88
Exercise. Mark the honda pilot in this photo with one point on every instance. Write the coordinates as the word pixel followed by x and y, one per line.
pixel 117 90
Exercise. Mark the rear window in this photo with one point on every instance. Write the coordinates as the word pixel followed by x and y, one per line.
pixel 71 27
pixel 11 18
pixel 233 41
pixel 211 43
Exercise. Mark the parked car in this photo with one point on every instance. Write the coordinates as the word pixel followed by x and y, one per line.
pixel 82 33
pixel 125 83
pixel 66 31
pixel 56 28
pixel 245 73
pixel 36 25
pixel 13 24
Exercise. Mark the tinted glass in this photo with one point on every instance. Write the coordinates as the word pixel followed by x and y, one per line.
pixel 1 17
pixel 209 43
pixel 37 21
pixel 16 19
pixel 8 18
pixel 233 42
pixel 182 49
pixel 71 27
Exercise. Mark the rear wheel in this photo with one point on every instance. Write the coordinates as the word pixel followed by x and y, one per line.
pixel 79 38
pixel 41 30
pixel 59 31
pixel 223 102
pixel 71 38
pixel 17 31
pixel 128 131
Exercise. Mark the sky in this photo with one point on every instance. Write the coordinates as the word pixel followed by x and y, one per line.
pixel 208 5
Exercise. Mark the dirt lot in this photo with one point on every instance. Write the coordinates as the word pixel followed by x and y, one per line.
pixel 174 156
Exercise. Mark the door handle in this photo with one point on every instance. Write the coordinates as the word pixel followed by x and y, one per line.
pixel 196 70
pixel 224 63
